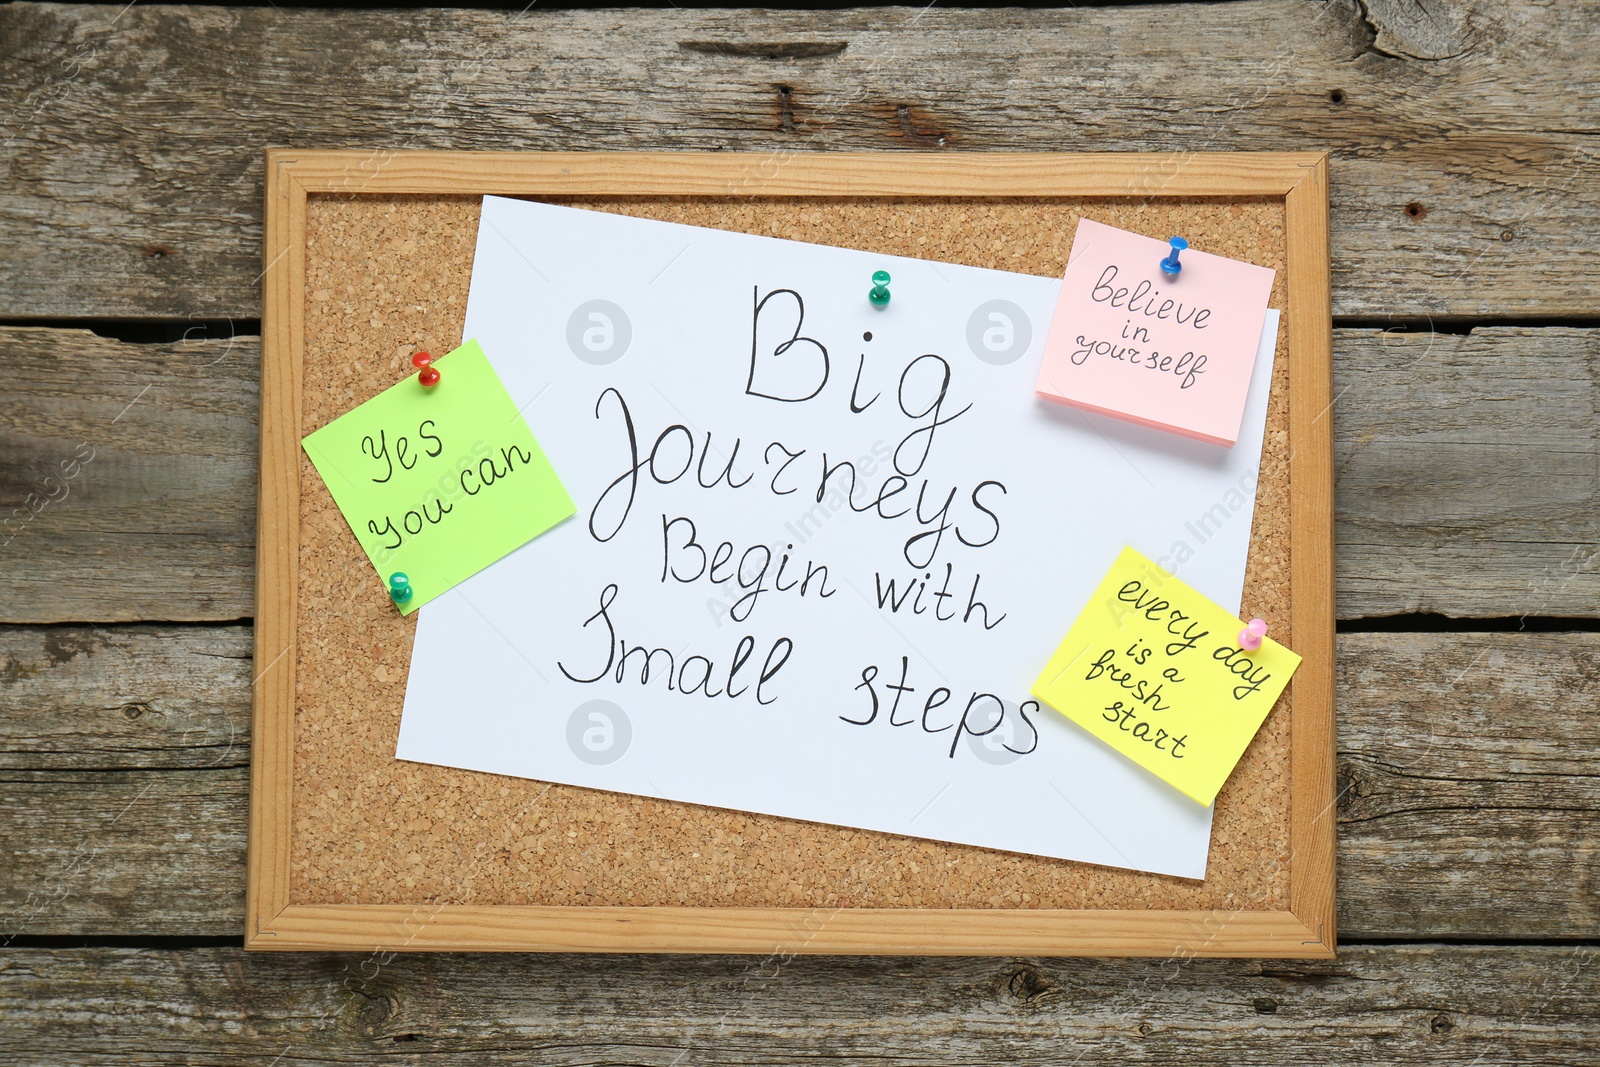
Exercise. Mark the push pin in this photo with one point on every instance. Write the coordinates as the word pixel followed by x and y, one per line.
pixel 430 374
pixel 400 585
pixel 1170 266
pixel 880 289
pixel 1250 637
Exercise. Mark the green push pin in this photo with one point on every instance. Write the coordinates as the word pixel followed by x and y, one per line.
pixel 399 587
pixel 880 289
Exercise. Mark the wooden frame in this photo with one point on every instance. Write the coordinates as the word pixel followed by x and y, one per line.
pixel 1306 929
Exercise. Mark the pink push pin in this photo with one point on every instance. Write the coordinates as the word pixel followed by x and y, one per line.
pixel 1250 637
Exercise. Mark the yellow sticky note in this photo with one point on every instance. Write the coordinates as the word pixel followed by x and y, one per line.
pixel 439 482
pixel 1154 669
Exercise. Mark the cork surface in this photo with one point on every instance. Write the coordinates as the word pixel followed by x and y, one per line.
pixel 386 276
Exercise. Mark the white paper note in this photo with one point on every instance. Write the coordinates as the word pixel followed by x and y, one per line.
pixel 708 627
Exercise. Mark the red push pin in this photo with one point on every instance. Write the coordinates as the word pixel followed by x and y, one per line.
pixel 1250 637
pixel 424 363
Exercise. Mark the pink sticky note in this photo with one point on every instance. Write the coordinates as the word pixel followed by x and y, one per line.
pixel 1170 352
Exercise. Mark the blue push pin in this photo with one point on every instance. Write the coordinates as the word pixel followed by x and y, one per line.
pixel 880 289
pixel 399 587
pixel 1170 266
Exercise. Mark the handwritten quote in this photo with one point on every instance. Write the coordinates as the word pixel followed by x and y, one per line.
pixel 437 483
pixel 1170 351
pixel 893 485
pixel 1155 670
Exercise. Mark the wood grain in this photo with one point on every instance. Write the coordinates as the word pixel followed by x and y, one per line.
pixel 158 521
pixel 1410 29
pixel 1467 472
pixel 122 698
pixel 1311 496
pixel 1467 796
pixel 123 762
pixel 1460 135
pixel 277 632
pixel 135 853
pixel 1466 808
pixel 1375 1005
pixel 1465 468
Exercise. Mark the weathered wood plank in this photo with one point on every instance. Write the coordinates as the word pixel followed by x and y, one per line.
pixel 1468 787
pixel 1468 472
pixel 127 478
pixel 90 698
pixel 124 757
pixel 1467 468
pixel 1407 29
pixel 1467 805
pixel 1374 1005
pixel 1462 133
pixel 125 852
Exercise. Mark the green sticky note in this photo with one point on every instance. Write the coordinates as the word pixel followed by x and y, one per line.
pixel 439 482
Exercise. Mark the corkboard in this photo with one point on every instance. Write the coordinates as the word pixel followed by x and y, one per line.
pixel 387 274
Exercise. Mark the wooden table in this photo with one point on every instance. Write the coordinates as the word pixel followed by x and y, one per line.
pixel 1466 206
